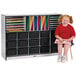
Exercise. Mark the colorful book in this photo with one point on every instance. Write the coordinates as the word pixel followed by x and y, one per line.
pixel 31 23
pixel 39 22
pixel 35 22
pixel 43 23
pixel 27 23
pixel 47 23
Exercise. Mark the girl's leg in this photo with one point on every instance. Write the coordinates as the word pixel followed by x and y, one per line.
pixel 66 47
pixel 59 52
pixel 60 49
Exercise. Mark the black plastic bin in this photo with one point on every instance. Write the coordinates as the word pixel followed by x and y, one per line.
pixel 44 34
pixel 33 42
pixel 22 35
pixel 44 49
pixel 11 52
pixel 34 34
pixel 11 44
pixel 23 51
pixel 34 50
pixel 44 41
pixel 22 43
pixel 11 36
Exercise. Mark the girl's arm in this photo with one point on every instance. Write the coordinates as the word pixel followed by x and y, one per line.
pixel 58 37
pixel 71 38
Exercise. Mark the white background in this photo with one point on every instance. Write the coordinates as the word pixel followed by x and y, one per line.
pixel 38 66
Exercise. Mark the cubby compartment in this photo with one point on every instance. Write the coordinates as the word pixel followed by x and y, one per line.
pixel 11 44
pixel 54 48
pixel 44 41
pixel 33 42
pixel 44 34
pixel 11 52
pixel 34 50
pixel 44 49
pixel 22 35
pixel 53 21
pixel 23 51
pixel 11 36
pixel 34 34
pixel 22 43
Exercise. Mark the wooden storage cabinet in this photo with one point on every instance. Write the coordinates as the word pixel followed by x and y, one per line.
pixel 18 39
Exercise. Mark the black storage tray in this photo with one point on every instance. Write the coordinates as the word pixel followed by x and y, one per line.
pixel 11 44
pixel 23 51
pixel 22 43
pixel 44 41
pixel 54 48
pixel 33 50
pixel 33 42
pixel 54 16
pixel 14 17
pixel 11 52
pixel 44 33
pixel 11 36
pixel 44 49
pixel 34 34
pixel 22 35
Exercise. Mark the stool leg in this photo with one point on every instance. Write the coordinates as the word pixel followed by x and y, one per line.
pixel 71 53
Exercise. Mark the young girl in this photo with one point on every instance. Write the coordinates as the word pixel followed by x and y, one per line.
pixel 64 35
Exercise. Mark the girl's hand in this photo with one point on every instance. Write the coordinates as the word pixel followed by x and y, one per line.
pixel 68 39
pixel 61 39
pixel 58 37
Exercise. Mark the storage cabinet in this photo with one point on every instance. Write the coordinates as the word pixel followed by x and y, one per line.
pixel 28 35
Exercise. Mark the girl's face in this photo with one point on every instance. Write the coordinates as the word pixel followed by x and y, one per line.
pixel 65 21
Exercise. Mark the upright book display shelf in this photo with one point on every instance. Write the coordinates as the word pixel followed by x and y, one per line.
pixel 32 35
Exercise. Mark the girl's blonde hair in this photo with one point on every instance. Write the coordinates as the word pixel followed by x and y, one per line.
pixel 61 17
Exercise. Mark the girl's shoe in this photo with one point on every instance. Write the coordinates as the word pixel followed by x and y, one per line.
pixel 63 59
pixel 59 58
